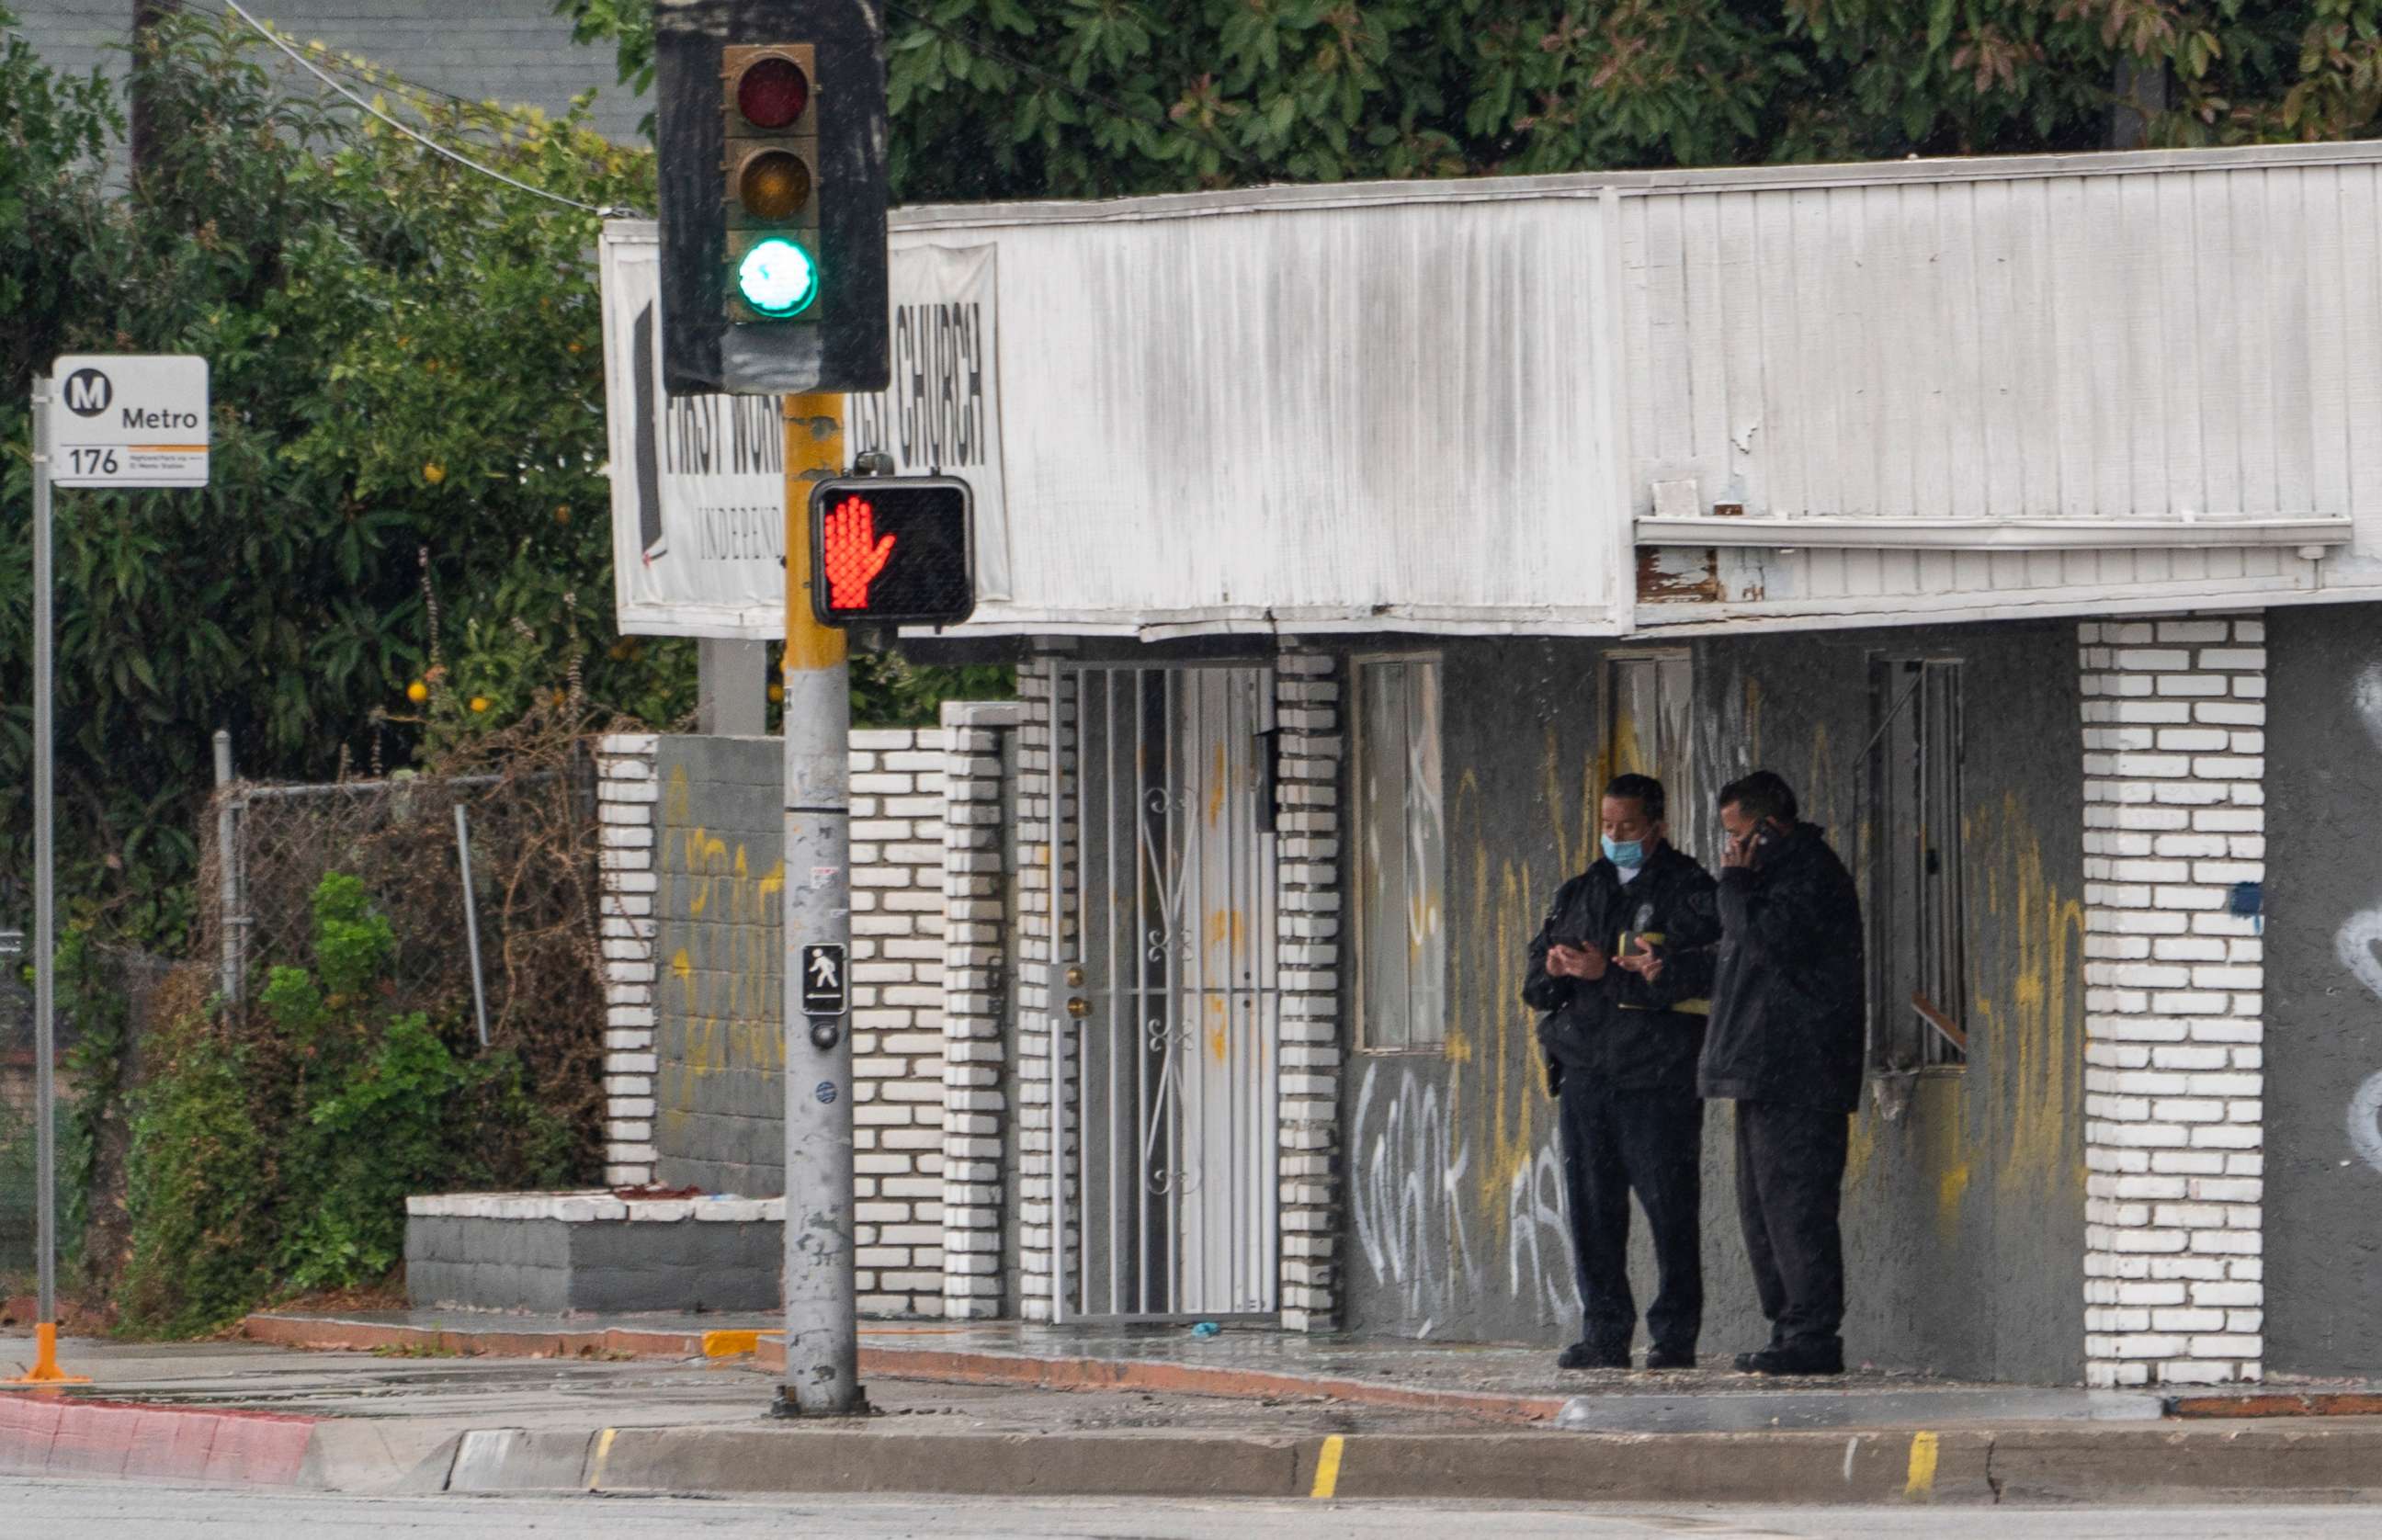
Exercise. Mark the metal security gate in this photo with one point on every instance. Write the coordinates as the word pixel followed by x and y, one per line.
pixel 1168 1028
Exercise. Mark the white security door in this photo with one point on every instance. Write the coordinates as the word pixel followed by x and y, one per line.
pixel 1169 1027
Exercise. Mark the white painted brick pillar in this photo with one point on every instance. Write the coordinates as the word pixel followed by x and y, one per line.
pixel 1038 686
pixel 975 942
pixel 2174 1133
pixel 898 926
pixel 1308 750
pixel 628 799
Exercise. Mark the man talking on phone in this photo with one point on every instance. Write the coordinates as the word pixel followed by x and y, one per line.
pixel 1620 968
pixel 1788 1018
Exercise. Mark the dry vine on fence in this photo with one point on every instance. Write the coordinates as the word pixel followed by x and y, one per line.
pixel 527 794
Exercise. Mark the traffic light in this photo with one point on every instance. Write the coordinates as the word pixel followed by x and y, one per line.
pixel 771 131
pixel 890 550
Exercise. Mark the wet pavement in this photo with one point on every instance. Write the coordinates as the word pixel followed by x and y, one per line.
pixel 1514 1382
pixel 578 1393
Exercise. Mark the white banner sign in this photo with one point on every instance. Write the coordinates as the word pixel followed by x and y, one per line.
pixel 698 482
pixel 941 415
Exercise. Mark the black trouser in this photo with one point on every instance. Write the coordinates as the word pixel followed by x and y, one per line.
pixel 1790 1174
pixel 1615 1142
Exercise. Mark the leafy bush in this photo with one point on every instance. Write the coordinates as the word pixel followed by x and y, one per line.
pixel 275 1156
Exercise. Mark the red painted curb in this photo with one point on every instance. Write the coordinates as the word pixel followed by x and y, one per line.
pixel 2276 1403
pixel 1192 1379
pixel 42 1433
pixel 298 1331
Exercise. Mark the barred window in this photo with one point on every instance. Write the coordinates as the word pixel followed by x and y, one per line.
pixel 1401 856
pixel 1917 956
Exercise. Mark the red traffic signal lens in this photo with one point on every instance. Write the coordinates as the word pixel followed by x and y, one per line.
pixel 772 92
pixel 773 184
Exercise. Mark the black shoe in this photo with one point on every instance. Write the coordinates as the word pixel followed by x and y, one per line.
pixel 1670 1358
pixel 1817 1358
pixel 1593 1355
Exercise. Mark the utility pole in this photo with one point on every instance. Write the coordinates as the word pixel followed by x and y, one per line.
pixel 822 1331
pixel 146 15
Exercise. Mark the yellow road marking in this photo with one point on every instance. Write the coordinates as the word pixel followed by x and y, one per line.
pixel 1327 1467
pixel 1922 1481
pixel 596 1466
pixel 727 1344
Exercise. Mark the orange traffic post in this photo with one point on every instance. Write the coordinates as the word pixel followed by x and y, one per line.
pixel 45 1370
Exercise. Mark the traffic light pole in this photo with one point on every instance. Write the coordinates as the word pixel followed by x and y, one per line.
pixel 822 1333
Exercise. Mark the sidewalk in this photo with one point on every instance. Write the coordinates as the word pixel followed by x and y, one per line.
pixel 1496 1383
pixel 644 1406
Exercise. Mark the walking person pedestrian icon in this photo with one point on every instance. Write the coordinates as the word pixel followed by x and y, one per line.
pixel 824 991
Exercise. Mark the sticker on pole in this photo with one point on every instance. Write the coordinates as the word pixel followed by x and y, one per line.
pixel 825 989
pixel 125 419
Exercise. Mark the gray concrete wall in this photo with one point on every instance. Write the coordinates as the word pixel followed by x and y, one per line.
pixel 1964 1219
pixel 718 1092
pixel 2324 991
pixel 621 1265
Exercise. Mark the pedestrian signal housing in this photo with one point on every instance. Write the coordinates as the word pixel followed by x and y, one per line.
pixel 894 551
pixel 769 131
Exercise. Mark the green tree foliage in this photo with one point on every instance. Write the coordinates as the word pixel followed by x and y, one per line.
pixel 274 1155
pixel 1095 98
pixel 408 425
pixel 408 401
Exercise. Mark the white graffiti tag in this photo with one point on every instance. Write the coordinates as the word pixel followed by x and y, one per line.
pixel 2354 943
pixel 1408 1196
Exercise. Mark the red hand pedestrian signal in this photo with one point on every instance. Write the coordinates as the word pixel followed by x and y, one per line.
pixel 854 554
pixel 891 551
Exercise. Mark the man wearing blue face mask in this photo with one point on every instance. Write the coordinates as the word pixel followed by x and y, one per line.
pixel 1621 969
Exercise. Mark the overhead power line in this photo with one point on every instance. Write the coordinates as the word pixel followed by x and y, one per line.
pixel 299 58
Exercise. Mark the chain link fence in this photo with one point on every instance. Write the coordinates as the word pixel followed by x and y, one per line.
pixel 529 926
pixel 513 959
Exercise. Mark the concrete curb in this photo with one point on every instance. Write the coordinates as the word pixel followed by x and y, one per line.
pixel 45 1434
pixel 2064 1464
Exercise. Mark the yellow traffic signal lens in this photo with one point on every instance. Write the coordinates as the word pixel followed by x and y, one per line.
pixel 777 278
pixel 773 184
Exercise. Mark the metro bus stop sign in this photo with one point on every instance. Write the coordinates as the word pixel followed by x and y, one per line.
pixel 130 419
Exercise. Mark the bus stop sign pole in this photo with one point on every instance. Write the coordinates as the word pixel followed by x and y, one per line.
pixel 136 420
pixel 45 1370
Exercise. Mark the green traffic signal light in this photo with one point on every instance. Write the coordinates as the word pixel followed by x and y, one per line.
pixel 777 278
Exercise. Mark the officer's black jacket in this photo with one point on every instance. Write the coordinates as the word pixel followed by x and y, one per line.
pixel 1788 1005
pixel 1620 1031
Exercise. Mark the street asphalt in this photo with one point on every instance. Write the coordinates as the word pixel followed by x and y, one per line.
pixel 107 1510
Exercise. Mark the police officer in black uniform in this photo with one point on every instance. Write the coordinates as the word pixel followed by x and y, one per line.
pixel 1789 1012
pixel 1620 968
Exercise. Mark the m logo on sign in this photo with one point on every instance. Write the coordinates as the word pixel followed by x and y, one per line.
pixel 825 988
pixel 88 393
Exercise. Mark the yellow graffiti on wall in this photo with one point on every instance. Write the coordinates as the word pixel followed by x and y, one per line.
pixel 2032 1024
pixel 1491 1026
pixel 724 981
